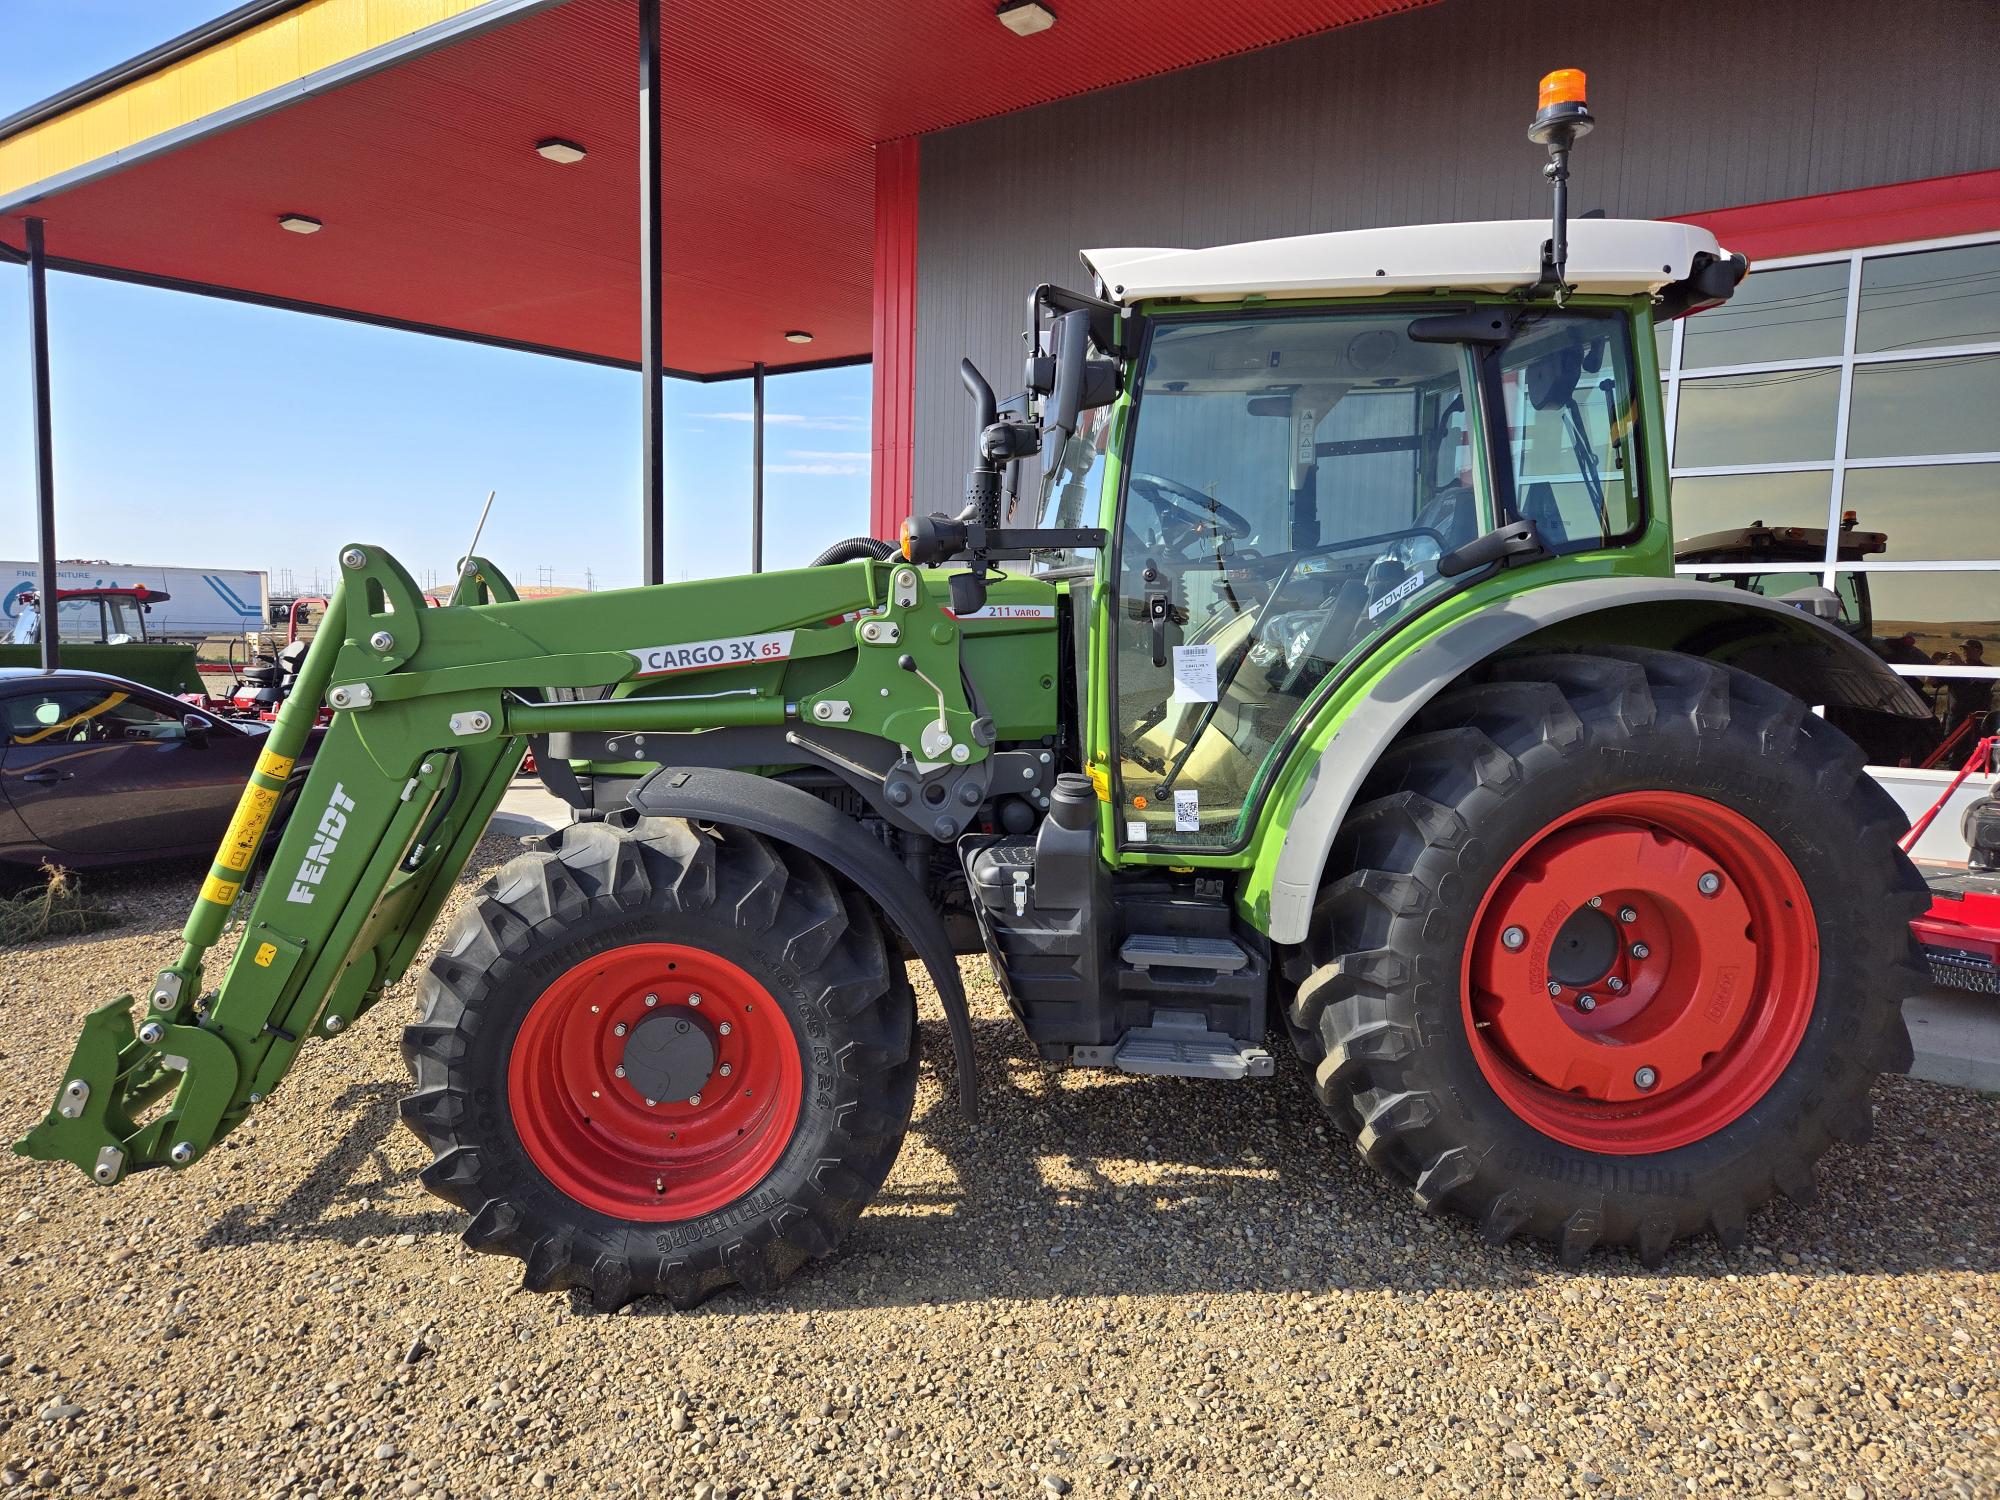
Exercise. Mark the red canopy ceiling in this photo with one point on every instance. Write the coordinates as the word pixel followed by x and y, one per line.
pixel 439 212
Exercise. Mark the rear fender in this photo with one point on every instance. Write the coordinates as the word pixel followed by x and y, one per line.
pixel 787 815
pixel 1805 656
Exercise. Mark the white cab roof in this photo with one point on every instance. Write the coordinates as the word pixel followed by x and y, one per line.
pixel 1614 256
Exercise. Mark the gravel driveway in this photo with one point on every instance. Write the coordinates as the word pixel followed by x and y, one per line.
pixel 1112 1286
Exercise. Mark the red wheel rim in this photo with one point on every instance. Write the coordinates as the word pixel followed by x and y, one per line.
pixel 585 1121
pixel 1641 973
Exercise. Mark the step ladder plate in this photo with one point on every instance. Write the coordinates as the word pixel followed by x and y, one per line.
pixel 1143 950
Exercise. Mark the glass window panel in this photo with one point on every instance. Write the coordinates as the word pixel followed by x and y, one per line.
pixel 1930 298
pixel 1799 312
pixel 1952 618
pixel 1709 503
pixel 1924 406
pixel 1779 416
pixel 1663 340
pixel 1568 390
pixel 1929 513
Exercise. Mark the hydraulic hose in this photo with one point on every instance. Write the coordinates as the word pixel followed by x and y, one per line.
pixel 853 549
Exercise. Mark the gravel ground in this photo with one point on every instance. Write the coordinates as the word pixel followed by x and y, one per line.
pixel 1112 1286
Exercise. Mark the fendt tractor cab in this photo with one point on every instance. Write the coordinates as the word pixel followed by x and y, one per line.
pixel 1306 658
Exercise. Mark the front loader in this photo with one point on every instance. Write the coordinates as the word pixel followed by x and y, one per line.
pixel 1305 660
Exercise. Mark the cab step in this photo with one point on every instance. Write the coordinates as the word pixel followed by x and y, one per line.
pixel 1179 1045
pixel 1215 955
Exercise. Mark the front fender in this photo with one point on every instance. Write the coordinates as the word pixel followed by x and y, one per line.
pixel 1814 661
pixel 785 814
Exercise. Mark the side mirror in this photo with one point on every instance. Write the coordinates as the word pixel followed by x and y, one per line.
pixel 195 728
pixel 1069 342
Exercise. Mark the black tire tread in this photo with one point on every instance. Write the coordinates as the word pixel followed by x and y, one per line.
pixel 1358 1012
pixel 660 869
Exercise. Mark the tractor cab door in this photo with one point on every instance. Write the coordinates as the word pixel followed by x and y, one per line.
pixel 1292 481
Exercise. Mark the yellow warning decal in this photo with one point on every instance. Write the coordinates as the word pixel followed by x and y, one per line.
pixel 253 811
pixel 1100 779
pixel 264 955
pixel 221 892
pixel 277 767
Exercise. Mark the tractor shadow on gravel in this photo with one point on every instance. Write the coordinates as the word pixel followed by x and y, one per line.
pixel 352 1192
pixel 1090 1184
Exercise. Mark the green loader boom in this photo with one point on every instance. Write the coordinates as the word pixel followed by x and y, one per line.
pixel 433 711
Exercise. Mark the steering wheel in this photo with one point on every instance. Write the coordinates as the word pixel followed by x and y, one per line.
pixel 1190 507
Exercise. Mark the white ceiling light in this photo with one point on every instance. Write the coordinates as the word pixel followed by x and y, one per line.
pixel 556 149
pixel 798 336
pixel 299 223
pixel 1025 17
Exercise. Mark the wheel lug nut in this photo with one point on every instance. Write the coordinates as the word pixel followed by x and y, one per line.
pixel 652 1104
pixel 725 1070
pixel 1645 1078
pixel 694 1000
pixel 1626 914
pixel 1709 883
pixel 1640 950
pixel 619 1029
pixel 1554 989
pixel 1514 937
pixel 651 1001
pixel 1595 901
pixel 694 1098
pixel 619 1071
pixel 725 1028
pixel 1586 1003
pixel 1615 985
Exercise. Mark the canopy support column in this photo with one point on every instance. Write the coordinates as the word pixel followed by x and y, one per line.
pixel 45 475
pixel 652 355
pixel 757 467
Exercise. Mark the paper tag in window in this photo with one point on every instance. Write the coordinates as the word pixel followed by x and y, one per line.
pixel 1187 811
pixel 1135 832
pixel 1194 674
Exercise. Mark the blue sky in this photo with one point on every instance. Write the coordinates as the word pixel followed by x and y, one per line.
pixel 191 431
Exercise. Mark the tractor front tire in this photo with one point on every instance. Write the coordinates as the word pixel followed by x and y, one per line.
pixel 658 1059
pixel 1621 946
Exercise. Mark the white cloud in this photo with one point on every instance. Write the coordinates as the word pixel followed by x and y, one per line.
pixel 863 455
pixel 848 466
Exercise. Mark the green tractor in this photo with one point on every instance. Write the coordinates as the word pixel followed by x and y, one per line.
pixel 1306 659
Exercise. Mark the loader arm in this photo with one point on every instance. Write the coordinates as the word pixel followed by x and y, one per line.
pixel 431 711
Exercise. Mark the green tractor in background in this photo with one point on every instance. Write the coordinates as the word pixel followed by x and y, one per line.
pixel 1337 684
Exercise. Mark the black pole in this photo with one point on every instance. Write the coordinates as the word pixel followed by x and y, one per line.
pixel 45 472
pixel 652 352
pixel 757 467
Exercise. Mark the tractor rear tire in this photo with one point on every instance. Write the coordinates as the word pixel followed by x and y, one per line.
pixel 1633 1069
pixel 728 977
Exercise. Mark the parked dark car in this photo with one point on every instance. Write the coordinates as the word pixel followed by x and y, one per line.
pixel 99 770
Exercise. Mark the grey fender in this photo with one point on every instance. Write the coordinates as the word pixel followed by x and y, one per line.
pixel 1807 657
pixel 787 815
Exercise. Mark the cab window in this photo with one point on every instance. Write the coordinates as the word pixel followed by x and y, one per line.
pixel 1566 382
pixel 1292 481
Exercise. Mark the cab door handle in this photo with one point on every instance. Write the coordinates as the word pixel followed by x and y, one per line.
pixel 46 776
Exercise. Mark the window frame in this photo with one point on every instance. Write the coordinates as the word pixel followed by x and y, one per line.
pixel 1846 362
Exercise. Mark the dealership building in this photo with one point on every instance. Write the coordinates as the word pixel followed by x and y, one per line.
pixel 807 185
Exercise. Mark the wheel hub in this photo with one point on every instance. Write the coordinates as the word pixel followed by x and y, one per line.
pixel 1584 949
pixel 1641 972
pixel 655 1081
pixel 669 1055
